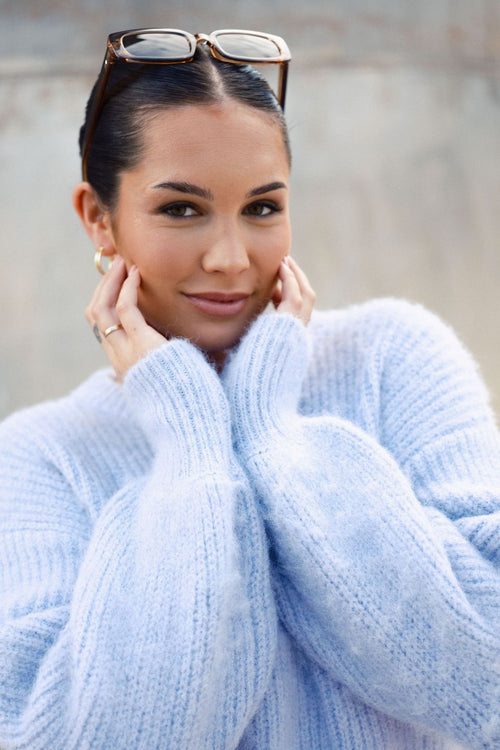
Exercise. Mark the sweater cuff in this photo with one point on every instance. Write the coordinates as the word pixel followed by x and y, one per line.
pixel 263 379
pixel 179 401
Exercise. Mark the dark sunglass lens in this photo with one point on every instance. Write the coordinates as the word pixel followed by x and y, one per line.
pixel 248 46
pixel 156 45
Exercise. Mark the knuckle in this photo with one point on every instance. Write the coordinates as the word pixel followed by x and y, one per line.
pixel 122 306
pixel 99 309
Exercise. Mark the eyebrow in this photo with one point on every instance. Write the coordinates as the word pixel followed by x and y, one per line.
pixel 192 189
pixel 266 189
pixel 186 187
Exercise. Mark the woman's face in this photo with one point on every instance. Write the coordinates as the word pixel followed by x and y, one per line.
pixel 204 216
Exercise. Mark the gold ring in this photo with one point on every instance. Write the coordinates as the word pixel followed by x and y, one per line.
pixel 112 329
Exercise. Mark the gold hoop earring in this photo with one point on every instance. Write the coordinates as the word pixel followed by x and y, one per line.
pixel 98 261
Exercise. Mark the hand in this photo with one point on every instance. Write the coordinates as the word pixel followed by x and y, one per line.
pixel 294 294
pixel 115 303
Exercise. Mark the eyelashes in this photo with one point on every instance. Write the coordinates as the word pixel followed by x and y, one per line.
pixel 186 210
pixel 179 210
pixel 263 208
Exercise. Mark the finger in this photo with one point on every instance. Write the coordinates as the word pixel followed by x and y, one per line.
pixel 92 303
pixel 304 283
pixel 297 295
pixel 112 283
pixel 125 335
pixel 126 305
pixel 115 339
pixel 291 297
pixel 307 292
pixel 136 338
pixel 101 308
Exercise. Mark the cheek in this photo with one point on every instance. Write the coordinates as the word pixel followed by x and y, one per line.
pixel 164 259
pixel 275 249
pixel 153 250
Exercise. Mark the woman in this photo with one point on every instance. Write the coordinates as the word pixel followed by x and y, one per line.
pixel 259 529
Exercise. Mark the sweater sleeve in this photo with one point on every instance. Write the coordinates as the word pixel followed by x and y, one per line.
pixel 154 627
pixel 389 595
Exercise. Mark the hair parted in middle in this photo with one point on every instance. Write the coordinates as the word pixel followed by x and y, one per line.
pixel 135 91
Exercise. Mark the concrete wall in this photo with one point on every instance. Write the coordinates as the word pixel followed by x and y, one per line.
pixel 394 108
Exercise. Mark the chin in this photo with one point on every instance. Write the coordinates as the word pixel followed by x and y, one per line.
pixel 218 345
pixel 215 338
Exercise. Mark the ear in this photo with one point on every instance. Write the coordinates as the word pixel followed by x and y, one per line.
pixel 94 217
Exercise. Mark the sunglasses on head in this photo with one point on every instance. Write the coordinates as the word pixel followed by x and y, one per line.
pixel 168 46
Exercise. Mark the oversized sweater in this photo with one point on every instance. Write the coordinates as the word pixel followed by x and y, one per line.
pixel 300 554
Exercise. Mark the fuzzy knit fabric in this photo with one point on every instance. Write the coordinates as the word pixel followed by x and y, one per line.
pixel 300 554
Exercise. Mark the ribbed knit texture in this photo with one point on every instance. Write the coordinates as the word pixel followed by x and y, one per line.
pixel 301 554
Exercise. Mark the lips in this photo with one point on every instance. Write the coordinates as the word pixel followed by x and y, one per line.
pixel 219 304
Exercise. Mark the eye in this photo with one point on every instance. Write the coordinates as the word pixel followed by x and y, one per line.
pixel 262 208
pixel 179 210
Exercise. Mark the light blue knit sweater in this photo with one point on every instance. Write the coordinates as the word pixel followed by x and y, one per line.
pixel 304 554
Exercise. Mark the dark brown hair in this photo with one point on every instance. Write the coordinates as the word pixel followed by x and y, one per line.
pixel 136 90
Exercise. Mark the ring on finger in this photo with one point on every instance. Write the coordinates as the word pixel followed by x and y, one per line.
pixel 112 329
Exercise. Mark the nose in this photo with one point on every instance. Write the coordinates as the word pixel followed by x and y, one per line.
pixel 227 252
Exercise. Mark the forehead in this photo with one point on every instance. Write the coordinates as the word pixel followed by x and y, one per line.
pixel 212 139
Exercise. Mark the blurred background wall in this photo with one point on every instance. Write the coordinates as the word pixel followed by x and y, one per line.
pixel 394 110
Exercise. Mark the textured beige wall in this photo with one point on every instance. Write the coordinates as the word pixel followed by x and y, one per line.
pixel 394 109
